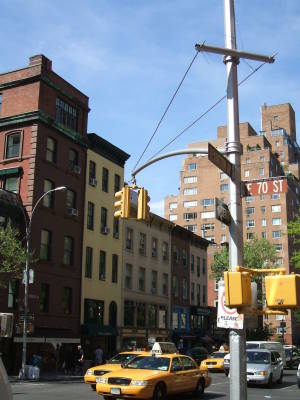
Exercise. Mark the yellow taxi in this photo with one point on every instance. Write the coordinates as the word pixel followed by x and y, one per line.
pixel 112 365
pixel 214 362
pixel 154 376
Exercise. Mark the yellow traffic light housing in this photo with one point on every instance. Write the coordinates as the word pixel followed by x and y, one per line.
pixel 122 206
pixel 283 291
pixel 143 209
pixel 237 289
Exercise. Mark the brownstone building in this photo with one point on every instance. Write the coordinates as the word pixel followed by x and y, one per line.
pixel 271 154
pixel 43 127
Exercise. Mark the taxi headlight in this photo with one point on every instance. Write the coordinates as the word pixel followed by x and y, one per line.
pixel 140 383
pixel 101 379
pixel 89 372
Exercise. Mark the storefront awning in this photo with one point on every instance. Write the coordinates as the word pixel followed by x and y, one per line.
pixel 96 330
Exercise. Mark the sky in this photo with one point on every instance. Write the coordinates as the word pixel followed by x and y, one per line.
pixel 128 57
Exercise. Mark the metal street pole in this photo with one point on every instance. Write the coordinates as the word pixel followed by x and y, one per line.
pixel 26 278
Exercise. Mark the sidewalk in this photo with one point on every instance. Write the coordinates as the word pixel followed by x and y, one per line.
pixel 48 377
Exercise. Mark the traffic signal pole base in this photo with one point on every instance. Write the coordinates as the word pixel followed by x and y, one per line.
pixel 238 376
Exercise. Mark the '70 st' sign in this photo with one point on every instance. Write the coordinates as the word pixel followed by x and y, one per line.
pixel 271 186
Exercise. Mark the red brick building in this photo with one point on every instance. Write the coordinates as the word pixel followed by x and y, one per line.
pixel 43 128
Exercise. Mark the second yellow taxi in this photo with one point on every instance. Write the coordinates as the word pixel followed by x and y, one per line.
pixel 154 376
pixel 214 362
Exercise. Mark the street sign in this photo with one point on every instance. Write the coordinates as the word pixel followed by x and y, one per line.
pixel 222 212
pixel 227 317
pixel 220 161
pixel 267 186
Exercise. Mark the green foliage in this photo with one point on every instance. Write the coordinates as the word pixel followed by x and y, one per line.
pixel 12 254
pixel 294 231
pixel 263 333
pixel 220 264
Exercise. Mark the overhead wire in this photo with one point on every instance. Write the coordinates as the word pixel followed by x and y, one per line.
pixel 167 108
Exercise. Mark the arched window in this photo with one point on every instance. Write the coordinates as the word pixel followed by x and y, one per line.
pixel 113 314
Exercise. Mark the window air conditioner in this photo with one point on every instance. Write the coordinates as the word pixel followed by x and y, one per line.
pixel 105 230
pixel 93 181
pixel 76 169
pixel 73 212
pixel 116 235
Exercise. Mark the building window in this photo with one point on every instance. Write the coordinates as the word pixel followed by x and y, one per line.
pixel 204 294
pixel 73 160
pixel 71 199
pixel 90 215
pixel 128 276
pixel 261 171
pixel 117 184
pixel 263 209
pixel 88 262
pixel 94 312
pixel 184 258
pixel 152 315
pixel 198 266
pixel 250 236
pixel 45 250
pixel 13 292
pixel 165 251
pixel 174 286
pixel 142 244
pixel 207 202
pixel 68 250
pixel 250 223
pixel 184 289
pixel 129 239
pixel 165 284
pixel 249 211
pixel 105 180
pixel 224 187
pixel 191 228
pixel 129 311
pixel 275 196
pixel 48 201
pixel 173 217
pixel 278 247
pixel 103 222
pixel 247 174
pixel 102 265
pixel 51 150
pixel 264 235
pixel 276 221
pixel 114 271
pixel 223 239
pixel 275 118
pixel 262 158
pixel 11 184
pixel 190 191
pixel 188 216
pixel 276 208
pixel 13 145
pixel 204 266
pixel 223 176
pixel 192 263
pixel 192 203
pixel 92 173
pixel 44 297
pixel 66 114
pixel 116 232
pixel 154 248
pixel 141 279
pixel 248 161
pixel 173 206
pixel 198 294
pixel 249 199
pixel 276 234
pixel 67 300
pixel 175 254
pixel 191 166
pixel 190 179
pixel 154 282
pixel 141 315
pixel 192 292
pixel 207 214
pixel 113 314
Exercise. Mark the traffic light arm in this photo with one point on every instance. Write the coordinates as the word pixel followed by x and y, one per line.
pixel 258 271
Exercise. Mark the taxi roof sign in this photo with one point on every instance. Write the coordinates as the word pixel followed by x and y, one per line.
pixel 163 348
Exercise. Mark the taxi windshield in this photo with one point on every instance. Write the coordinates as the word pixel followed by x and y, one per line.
pixel 218 355
pixel 121 358
pixel 150 362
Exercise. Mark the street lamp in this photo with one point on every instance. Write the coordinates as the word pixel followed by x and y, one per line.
pixel 28 232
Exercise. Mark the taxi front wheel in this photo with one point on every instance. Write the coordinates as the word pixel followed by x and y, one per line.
pixel 159 392
pixel 200 387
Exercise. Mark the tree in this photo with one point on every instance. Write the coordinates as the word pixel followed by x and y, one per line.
pixel 12 254
pixel 294 232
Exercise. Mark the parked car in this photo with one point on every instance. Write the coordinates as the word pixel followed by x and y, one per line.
pixel 264 367
pixel 198 353
pixel 276 346
pixel 292 356
pixel 215 361
pixel 298 376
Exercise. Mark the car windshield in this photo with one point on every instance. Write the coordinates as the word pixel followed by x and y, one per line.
pixel 252 346
pixel 121 358
pixel 258 357
pixel 218 355
pixel 150 362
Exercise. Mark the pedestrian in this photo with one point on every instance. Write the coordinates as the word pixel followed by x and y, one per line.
pixel 98 355
pixel 80 359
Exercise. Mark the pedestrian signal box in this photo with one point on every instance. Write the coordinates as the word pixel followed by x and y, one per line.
pixel 122 205
pixel 237 289
pixel 283 291
pixel 143 209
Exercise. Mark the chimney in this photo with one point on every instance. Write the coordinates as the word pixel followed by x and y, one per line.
pixel 40 59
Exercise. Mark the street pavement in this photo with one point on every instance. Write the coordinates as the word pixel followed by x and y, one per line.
pixel 74 389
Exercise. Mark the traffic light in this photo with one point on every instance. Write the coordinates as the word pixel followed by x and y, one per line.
pixel 222 212
pixel 143 209
pixel 283 291
pixel 237 289
pixel 122 206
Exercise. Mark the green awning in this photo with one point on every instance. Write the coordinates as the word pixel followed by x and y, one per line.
pixel 10 171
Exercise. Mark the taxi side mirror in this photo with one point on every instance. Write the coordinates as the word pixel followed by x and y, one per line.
pixel 203 367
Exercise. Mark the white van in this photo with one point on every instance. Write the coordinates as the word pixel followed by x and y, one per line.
pixel 277 346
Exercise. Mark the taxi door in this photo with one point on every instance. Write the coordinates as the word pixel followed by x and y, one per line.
pixel 177 377
pixel 191 373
